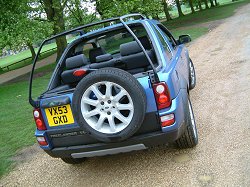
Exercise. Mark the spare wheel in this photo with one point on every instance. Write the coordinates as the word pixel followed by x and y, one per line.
pixel 110 104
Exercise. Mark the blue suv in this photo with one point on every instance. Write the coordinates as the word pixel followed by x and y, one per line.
pixel 119 88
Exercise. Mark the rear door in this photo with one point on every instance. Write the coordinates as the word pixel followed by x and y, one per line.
pixel 179 60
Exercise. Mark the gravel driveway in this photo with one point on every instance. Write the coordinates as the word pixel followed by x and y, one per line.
pixel 221 102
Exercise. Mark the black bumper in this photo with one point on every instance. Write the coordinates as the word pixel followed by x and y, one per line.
pixel 147 140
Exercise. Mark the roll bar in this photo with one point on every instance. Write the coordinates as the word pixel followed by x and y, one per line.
pixel 35 104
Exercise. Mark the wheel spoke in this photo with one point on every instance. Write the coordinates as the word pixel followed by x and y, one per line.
pixel 108 89
pixel 91 113
pixel 123 119
pixel 96 91
pixel 111 123
pixel 91 102
pixel 100 122
pixel 124 106
pixel 119 95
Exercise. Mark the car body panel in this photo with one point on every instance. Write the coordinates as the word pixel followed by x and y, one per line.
pixel 66 140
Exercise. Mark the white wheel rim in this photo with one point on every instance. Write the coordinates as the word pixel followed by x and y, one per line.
pixel 193 125
pixel 109 112
pixel 191 72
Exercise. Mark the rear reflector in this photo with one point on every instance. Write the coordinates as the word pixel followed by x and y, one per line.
pixel 39 119
pixel 41 140
pixel 79 72
pixel 167 120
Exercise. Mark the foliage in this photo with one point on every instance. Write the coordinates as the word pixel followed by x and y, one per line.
pixel 113 8
pixel 78 14
pixel 18 27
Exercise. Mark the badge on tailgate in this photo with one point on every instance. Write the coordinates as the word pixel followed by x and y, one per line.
pixel 59 115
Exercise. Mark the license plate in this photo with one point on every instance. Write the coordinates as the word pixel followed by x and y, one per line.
pixel 59 115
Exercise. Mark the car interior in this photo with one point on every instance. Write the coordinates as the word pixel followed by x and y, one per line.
pixel 115 49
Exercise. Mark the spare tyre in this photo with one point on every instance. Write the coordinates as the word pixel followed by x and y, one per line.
pixel 110 104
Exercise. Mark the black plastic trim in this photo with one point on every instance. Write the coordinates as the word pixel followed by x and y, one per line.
pixel 55 102
pixel 149 140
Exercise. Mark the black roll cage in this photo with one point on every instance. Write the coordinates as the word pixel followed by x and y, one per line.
pixel 153 77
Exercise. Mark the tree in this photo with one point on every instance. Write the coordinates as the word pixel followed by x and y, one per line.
pixel 206 4
pixel 212 3
pixel 77 14
pixel 179 8
pixel 199 4
pixel 18 28
pixel 166 11
pixel 54 12
pixel 191 5
pixel 113 8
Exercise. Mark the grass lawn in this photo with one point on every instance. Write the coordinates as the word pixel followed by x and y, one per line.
pixel 26 54
pixel 216 13
pixel 187 24
pixel 16 119
pixel 17 125
pixel 22 55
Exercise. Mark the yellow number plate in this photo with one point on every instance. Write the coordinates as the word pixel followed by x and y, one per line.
pixel 59 115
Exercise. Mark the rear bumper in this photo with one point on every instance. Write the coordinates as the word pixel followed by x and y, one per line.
pixel 99 149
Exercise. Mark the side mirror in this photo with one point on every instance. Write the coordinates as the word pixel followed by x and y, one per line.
pixel 184 39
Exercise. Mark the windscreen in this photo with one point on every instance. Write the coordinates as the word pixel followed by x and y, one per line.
pixel 111 42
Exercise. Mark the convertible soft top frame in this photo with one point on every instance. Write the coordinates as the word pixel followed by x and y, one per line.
pixel 154 77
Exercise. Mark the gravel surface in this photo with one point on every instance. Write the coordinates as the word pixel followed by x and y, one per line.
pixel 221 105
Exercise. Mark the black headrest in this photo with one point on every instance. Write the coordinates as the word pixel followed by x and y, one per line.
pixel 76 61
pixel 145 42
pixel 130 48
pixel 104 57
pixel 93 53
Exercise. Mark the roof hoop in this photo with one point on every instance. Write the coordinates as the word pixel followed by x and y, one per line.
pixel 155 77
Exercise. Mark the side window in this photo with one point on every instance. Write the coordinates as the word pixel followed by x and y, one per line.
pixel 168 35
pixel 164 44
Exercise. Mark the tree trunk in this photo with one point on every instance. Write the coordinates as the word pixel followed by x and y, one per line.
pixel 199 4
pixel 32 50
pixel 99 9
pixel 206 4
pixel 179 8
pixel 216 3
pixel 191 6
pixel 212 3
pixel 165 8
pixel 54 12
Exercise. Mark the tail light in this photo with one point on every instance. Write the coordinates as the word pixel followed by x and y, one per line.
pixel 162 95
pixel 39 119
pixel 41 140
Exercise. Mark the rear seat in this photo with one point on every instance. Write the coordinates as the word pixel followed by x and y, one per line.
pixel 102 61
pixel 93 53
pixel 72 64
pixel 134 58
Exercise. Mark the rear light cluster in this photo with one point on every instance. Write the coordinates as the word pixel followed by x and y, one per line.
pixel 163 100
pixel 162 95
pixel 39 119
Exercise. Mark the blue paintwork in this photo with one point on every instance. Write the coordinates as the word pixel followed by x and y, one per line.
pixel 173 71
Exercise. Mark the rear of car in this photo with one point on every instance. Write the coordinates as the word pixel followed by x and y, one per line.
pixel 113 93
